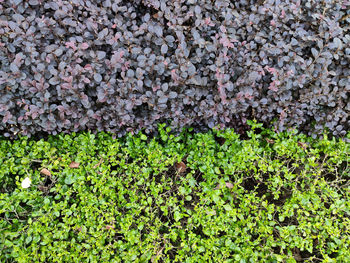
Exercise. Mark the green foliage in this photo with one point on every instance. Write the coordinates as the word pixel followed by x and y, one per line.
pixel 275 197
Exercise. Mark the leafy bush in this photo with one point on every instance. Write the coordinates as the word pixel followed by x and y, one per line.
pixel 125 65
pixel 207 197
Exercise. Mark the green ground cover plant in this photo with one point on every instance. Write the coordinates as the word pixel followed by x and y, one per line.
pixel 204 197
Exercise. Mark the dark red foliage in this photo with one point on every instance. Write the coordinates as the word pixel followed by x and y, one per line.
pixel 126 65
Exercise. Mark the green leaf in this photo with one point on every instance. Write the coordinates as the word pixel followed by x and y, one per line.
pixel 8 243
pixel 227 207
pixel 177 216
pixel 69 180
pixel 28 239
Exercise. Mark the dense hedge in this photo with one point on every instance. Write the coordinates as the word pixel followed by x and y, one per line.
pixel 123 65
pixel 194 198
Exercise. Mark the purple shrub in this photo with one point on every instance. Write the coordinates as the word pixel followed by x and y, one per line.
pixel 126 65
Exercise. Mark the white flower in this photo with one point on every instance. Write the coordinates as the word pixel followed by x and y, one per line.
pixel 26 182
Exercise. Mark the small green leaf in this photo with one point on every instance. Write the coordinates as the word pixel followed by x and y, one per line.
pixel 46 201
pixel 28 239
pixel 177 216
pixel 69 180
pixel 228 207
pixel 8 243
